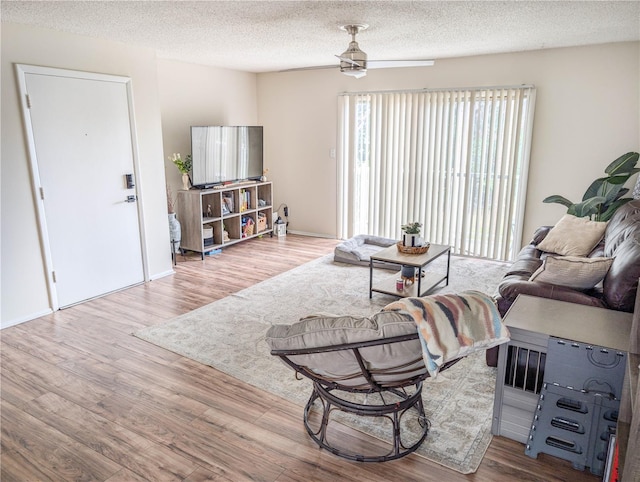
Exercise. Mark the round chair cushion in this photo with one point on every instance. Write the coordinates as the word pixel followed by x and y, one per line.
pixel 324 330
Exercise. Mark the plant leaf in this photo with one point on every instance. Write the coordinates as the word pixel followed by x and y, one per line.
pixel 594 189
pixel 605 216
pixel 609 191
pixel 588 207
pixel 558 199
pixel 623 164
pixel 622 192
pixel 621 179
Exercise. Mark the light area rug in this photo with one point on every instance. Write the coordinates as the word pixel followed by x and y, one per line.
pixel 229 335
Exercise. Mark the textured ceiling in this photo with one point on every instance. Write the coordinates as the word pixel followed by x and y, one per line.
pixel 261 36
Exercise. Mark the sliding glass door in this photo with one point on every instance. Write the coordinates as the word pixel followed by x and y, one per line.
pixel 454 160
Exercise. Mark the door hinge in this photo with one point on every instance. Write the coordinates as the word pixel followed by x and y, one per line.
pixel 53 275
pixel 28 101
pixel 42 193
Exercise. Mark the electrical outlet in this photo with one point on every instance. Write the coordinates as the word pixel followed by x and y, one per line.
pixel 332 153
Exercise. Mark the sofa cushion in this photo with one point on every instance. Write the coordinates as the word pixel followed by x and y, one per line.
pixel 573 236
pixel 512 286
pixel 524 267
pixel 573 271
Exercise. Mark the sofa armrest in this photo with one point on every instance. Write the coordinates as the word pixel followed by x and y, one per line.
pixel 511 287
pixel 540 234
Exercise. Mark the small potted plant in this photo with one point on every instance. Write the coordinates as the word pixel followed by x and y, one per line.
pixel 184 166
pixel 411 234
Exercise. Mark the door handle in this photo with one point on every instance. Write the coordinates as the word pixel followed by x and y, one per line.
pixel 131 199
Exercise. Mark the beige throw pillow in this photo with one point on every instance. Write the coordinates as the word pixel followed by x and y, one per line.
pixel 573 236
pixel 572 271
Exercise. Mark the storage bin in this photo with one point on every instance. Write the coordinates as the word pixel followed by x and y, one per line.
pixel 262 222
pixel 207 236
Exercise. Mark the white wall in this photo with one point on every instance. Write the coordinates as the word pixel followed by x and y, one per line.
pixel 587 114
pixel 23 290
pixel 196 95
pixel 169 97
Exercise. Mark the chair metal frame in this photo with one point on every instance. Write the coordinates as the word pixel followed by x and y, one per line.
pixel 327 391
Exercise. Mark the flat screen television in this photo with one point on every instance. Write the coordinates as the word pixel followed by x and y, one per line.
pixel 225 154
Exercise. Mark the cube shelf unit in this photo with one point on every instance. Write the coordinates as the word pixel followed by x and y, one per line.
pixel 243 210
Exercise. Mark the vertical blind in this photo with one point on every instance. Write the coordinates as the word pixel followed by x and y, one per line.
pixel 454 160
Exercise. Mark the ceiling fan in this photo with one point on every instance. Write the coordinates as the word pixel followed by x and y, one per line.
pixel 354 62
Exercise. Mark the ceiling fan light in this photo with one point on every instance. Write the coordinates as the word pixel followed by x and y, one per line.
pixel 354 73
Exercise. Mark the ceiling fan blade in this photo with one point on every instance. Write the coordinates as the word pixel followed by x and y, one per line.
pixel 371 64
pixel 389 64
pixel 354 62
pixel 349 61
pixel 315 67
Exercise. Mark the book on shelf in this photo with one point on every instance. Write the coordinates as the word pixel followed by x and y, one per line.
pixel 227 203
pixel 245 199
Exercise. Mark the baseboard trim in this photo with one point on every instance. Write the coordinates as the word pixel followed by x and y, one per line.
pixel 32 316
pixel 315 235
pixel 161 275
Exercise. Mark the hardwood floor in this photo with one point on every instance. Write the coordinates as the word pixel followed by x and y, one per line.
pixel 82 399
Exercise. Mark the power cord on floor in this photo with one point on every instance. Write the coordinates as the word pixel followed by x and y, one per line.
pixel 285 214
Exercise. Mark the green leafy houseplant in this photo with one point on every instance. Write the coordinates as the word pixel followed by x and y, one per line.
pixel 411 228
pixel 604 195
pixel 183 165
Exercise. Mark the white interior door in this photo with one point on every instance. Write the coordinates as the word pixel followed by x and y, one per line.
pixel 82 144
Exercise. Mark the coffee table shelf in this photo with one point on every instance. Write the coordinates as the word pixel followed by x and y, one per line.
pixel 425 282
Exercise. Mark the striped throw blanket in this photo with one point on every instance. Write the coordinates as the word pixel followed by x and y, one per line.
pixel 453 325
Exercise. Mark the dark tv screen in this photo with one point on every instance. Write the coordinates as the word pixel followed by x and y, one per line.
pixel 225 154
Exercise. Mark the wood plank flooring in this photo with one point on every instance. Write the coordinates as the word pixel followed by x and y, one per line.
pixel 82 399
